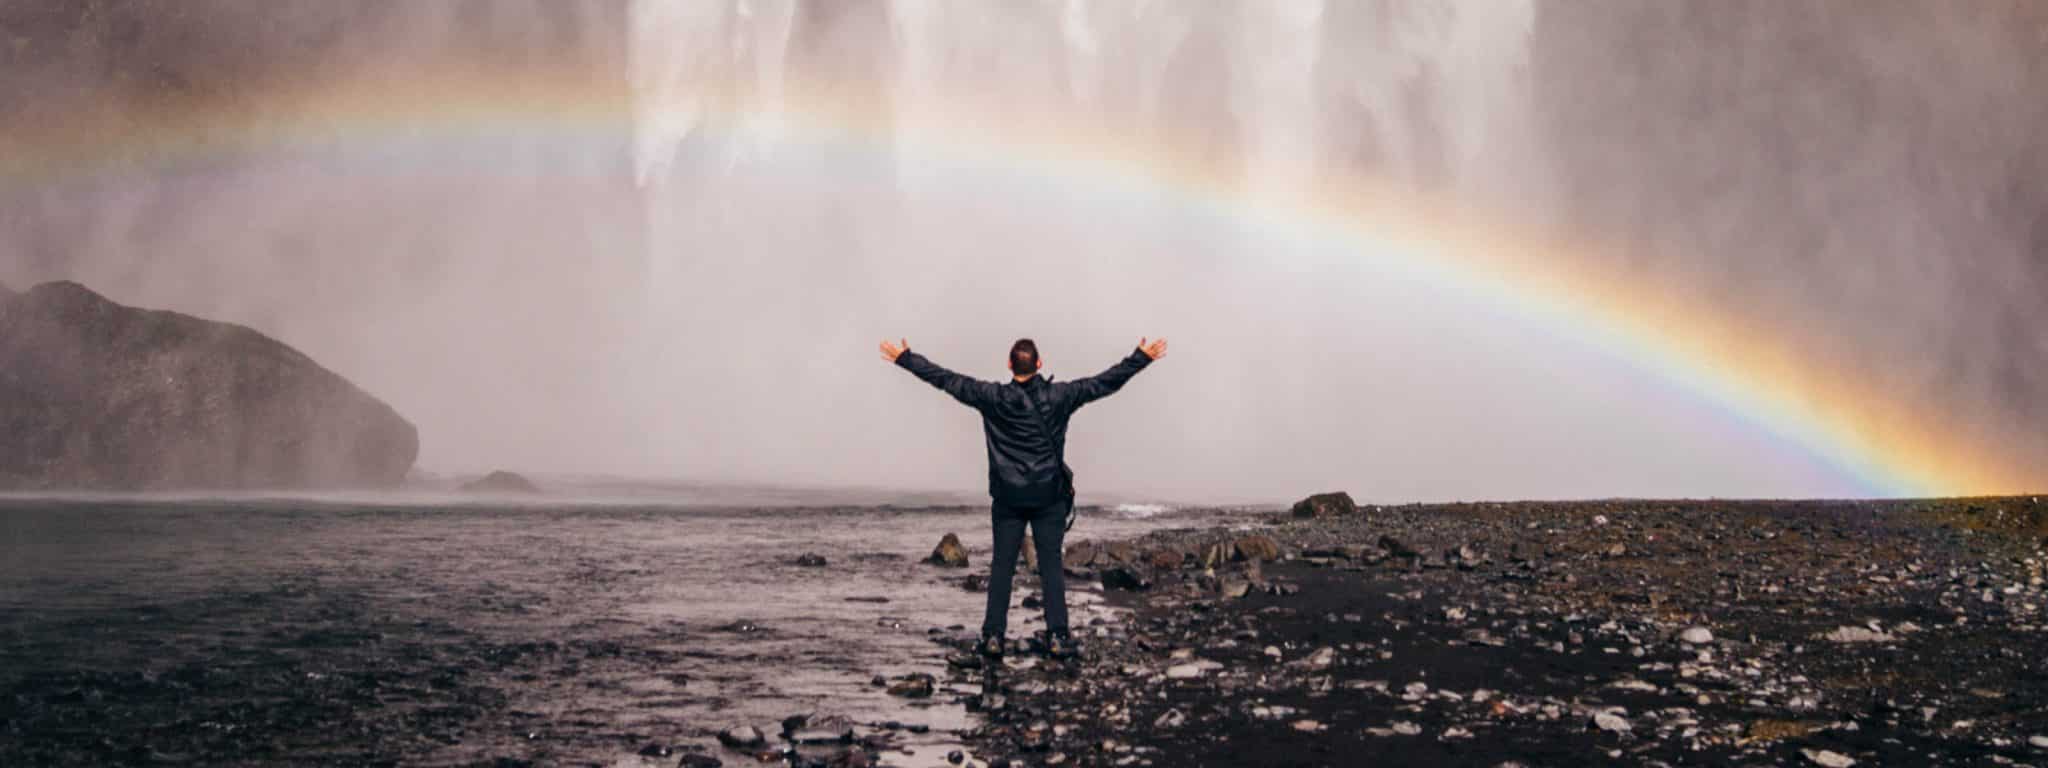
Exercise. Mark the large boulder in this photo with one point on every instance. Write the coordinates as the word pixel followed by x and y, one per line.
pixel 97 395
pixel 1326 505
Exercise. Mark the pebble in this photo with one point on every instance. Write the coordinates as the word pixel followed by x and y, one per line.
pixel 1857 635
pixel 1828 758
pixel 1610 722
pixel 2039 742
pixel 1696 635
pixel 741 736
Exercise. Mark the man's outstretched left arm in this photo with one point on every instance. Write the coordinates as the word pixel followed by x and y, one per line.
pixel 1106 383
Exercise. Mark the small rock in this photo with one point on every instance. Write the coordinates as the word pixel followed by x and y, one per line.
pixel 1081 554
pixel 1164 559
pixel 1125 577
pixel 1260 548
pixel 1696 635
pixel 811 560
pixel 1611 722
pixel 912 686
pixel 2039 742
pixel 655 750
pixel 1828 758
pixel 700 761
pixel 1172 718
pixel 949 553
pixel 1309 726
pixel 974 582
pixel 1183 671
pixel 1847 634
pixel 1406 728
pixel 741 737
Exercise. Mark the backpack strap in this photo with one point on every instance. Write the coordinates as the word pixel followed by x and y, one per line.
pixel 1045 428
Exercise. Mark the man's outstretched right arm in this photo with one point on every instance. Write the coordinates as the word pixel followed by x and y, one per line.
pixel 972 393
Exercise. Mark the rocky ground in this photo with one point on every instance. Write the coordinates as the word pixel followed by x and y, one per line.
pixel 1627 632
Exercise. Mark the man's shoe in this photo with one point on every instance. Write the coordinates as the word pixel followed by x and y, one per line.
pixel 1060 645
pixel 990 646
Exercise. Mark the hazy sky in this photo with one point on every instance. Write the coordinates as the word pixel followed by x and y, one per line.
pixel 677 275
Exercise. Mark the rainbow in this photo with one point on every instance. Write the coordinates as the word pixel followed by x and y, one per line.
pixel 1889 446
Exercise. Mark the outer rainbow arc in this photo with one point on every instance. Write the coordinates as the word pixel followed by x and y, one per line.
pixel 1891 447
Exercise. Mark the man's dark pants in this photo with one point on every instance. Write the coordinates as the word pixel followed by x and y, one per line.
pixel 1048 527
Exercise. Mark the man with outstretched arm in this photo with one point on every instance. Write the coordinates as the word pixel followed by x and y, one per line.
pixel 1025 422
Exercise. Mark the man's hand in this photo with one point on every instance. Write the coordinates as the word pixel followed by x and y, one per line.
pixel 892 351
pixel 1154 350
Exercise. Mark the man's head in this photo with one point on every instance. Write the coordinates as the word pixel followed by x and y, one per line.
pixel 1024 358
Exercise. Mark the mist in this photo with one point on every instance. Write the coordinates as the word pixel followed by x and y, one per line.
pixel 695 289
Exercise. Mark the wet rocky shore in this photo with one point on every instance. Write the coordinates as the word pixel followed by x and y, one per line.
pixel 1533 634
pixel 1615 632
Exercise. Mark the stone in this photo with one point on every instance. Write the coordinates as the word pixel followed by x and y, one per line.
pixel 1164 559
pixel 1827 758
pixel 1125 577
pixel 913 686
pixel 1326 505
pixel 100 396
pixel 1171 718
pixel 2038 741
pixel 975 582
pixel 656 750
pixel 1611 722
pixel 1848 634
pixel 741 737
pixel 1184 671
pixel 700 761
pixel 1394 547
pixel 949 553
pixel 1217 554
pixel 1233 588
pixel 502 482
pixel 1696 635
pixel 813 736
pixel 811 560
pixel 1081 554
pixel 1260 548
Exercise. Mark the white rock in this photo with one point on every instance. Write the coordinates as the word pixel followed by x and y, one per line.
pixel 1322 658
pixel 1847 634
pixel 1610 722
pixel 1696 635
pixel 2039 742
pixel 1183 671
pixel 1309 726
pixel 1406 728
pixel 1828 759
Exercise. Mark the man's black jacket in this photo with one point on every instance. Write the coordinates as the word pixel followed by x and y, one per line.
pixel 1026 462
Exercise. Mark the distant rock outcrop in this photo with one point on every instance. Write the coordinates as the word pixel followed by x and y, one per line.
pixel 501 482
pixel 97 395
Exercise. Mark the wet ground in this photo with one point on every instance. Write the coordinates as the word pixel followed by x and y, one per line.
pixel 1627 633
pixel 277 632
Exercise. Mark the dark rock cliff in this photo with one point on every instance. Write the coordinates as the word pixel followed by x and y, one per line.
pixel 97 395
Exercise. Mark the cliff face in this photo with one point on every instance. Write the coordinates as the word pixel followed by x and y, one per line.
pixel 97 395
